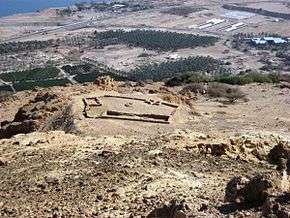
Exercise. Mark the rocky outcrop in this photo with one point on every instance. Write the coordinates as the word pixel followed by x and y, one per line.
pixel 106 83
pixel 279 155
pixel 14 128
pixel 235 189
pixel 31 116
pixel 62 120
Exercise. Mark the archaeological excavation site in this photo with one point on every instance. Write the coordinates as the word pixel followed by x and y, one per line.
pixel 145 108
pixel 129 114
pixel 129 108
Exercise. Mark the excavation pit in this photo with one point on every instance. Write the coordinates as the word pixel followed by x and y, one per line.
pixel 129 108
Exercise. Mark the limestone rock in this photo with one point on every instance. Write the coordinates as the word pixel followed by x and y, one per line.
pixel 105 83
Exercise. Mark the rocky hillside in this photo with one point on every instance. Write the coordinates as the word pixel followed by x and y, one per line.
pixel 218 162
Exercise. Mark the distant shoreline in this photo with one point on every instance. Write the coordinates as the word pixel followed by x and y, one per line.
pixel 20 7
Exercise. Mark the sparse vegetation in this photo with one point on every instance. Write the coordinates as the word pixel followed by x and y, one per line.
pixel 64 12
pixel 248 78
pixel 4 95
pixel 196 88
pixel 62 121
pixel 104 7
pixel 24 46
pixel 241 79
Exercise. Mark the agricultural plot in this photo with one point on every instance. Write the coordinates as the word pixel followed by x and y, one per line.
pixel 29 79
pixel 88 73
pixel 161 71
pixel 5 88
pixel 31 75
pixel 157 71
pixel 24 46
pixel 183 11
pixel 28 85
pixel 154 40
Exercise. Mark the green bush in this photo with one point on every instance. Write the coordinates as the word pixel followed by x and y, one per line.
pixel 248 78
pixel 188 78
pixel 196 88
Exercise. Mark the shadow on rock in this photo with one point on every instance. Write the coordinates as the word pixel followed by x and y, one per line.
pixel 174 209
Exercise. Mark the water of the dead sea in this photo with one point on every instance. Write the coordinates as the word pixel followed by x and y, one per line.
pixel 10 7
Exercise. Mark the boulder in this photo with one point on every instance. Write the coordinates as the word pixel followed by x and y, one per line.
pixel 256 190
pixel 278 152
pixel 15 128
pixel 252 191
pixel 235 189
pixel 279 155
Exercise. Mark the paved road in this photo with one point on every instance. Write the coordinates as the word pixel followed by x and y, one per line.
pixel 68 76
pixel 2 82
pixel 77 25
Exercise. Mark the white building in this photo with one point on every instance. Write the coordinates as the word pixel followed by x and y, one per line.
pixel 268 40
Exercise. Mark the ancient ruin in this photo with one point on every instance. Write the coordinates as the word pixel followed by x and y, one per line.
pixel 129 108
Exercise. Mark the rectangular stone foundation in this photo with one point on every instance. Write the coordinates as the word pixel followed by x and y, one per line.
pixel 129 108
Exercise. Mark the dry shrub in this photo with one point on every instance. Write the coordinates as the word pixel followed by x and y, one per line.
pixel 285 78
pixel 171 98
pixel 5 95
pixel 196 88
pixel 62 120
pixel 219 90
